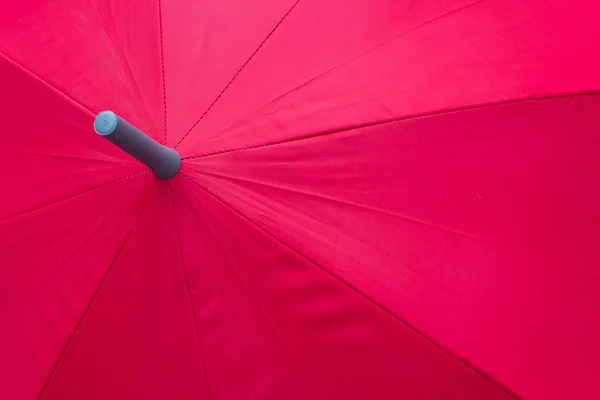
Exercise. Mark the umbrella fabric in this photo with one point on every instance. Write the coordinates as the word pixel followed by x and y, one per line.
pixel 379 199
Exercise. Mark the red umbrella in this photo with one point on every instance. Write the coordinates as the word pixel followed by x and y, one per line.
pixel 376 199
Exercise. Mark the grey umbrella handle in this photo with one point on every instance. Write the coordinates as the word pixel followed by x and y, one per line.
pixel 163 161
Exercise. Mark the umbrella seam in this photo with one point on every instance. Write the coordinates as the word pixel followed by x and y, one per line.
pixel 162 64
pixel 399 119
pixel 48 84
pixel 189 291
pixel 74 196
pixel 238 72
pixel 96 294
pixel 353 58
pixel 459 359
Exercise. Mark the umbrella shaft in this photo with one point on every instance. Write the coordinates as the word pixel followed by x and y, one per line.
pixel 163 161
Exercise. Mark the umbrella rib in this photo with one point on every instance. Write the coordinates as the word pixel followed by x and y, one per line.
pixel 187 285
pixel 126 69
pixel 60 265
pixel 431 225
pixel 398 119
pixel 291 354
pixel 237 73
pixel 460 360
pixel 73 196
pixel 62 354
pixel 162 65
pixel 48 84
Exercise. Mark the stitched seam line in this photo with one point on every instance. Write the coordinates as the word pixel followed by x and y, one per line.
pixel 162 64
pixel 95 296
pixel 75 195
pixel 239 71
pixel 404 118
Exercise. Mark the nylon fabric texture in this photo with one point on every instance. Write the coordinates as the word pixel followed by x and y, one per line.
pixel 378 200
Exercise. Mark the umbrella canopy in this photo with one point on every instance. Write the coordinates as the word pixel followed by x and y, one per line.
pixel 379 199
